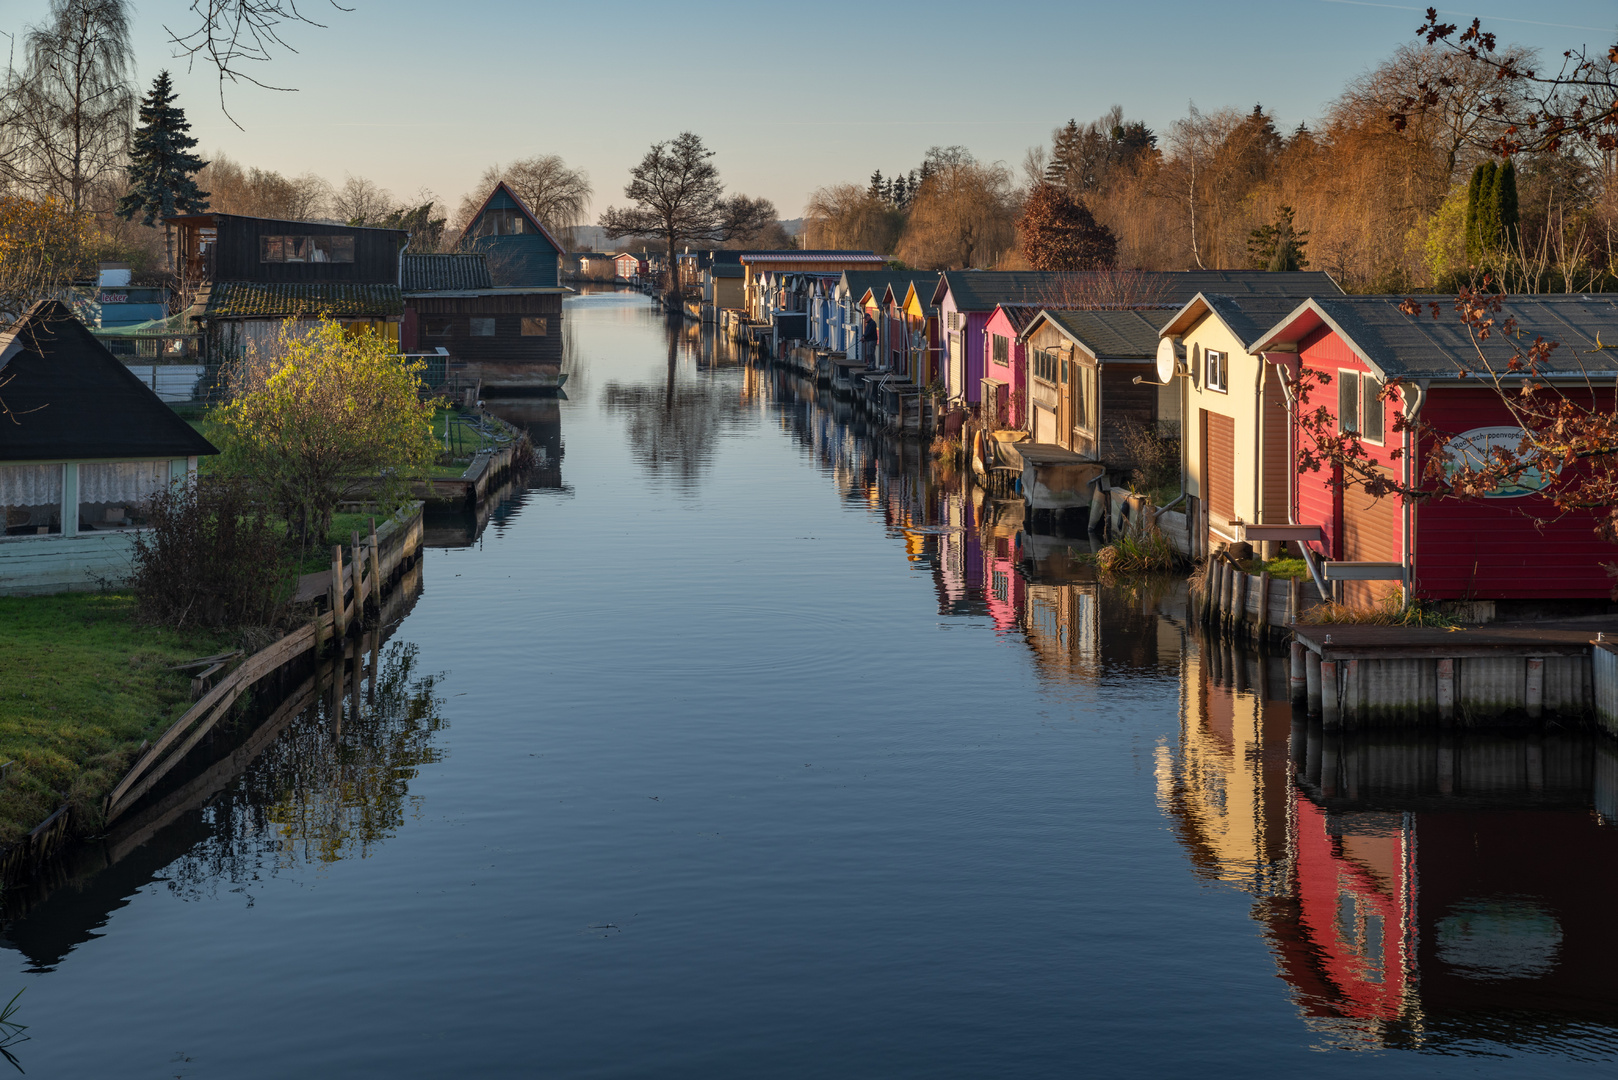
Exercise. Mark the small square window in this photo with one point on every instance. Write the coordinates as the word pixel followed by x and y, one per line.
pixel 1218 375
pixel 534 327
pixel 482 327
pixel 1372 421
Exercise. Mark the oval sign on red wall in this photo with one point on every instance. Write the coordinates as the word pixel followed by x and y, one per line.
pixel 1475 448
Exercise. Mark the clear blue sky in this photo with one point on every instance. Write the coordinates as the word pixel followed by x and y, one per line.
pixel 792 96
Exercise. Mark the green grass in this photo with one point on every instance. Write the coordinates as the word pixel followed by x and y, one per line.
pixel 1279 568
pixel 81 685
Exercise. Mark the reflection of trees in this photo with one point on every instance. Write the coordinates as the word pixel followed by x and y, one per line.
pixel 330 787
pixel 674 428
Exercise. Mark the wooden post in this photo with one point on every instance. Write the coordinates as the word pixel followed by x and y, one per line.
pixel 338 593
pixel 1299 681
pixel 376 575
pixel 1331 713
pixel 357 558
pixel 1263 604
pixel 1534 691
pixel 1446 689
pixel 1312 676
pixel 1238 606
pixel 1294 600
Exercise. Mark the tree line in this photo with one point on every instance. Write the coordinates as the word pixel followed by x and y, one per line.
pixel 1380 192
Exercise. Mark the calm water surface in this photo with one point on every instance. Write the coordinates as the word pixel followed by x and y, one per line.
pixel 740 743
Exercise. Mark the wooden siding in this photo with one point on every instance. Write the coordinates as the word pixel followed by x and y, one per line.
pixel 523 260
pixel 1495 549
pixel 235 255
pixel 1219 464
pixel 1122 403
pixel 508 343
pixel 1276 494
pixel 56 564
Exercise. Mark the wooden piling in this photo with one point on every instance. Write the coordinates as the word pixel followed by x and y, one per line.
pixel 338 593
pixel 1263 604
pixel 1534 690
pixel 357 562
pixel 1312 676
pixel 376 575
pixel 1446 689
pixel 1294 600
pixel 1299 681
pixel 1238 604
pixel 1331 712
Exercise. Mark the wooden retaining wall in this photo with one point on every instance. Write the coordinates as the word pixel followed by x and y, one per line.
pixel 396 546
pixel 1255 606
pixel 1604 683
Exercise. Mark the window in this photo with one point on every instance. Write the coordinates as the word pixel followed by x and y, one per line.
pixel 1371 418
pixel 1045 365
pixel 1348 401
pixel 1083 398
pixel 482 327
pixel 534 327
pixel 1218 376
pixel 1000 346
pixel 31 499
pixel 436 328
pixel 306 249
pixel 115 496
pixel 501 223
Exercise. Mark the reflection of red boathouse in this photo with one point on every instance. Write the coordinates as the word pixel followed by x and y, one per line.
pixel 1413 890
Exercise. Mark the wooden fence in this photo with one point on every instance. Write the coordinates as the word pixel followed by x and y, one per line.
pixel 354 585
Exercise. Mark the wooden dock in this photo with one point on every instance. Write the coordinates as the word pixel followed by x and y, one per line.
pixel 1495 674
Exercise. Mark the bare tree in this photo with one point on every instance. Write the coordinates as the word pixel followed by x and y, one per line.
pixel 234 35
pixel 850 216
pixel 676 195
pixel 72 106
pixel 255 192
pixel 964 214
pixel 751 223
pixel 361 202
pixel 558 195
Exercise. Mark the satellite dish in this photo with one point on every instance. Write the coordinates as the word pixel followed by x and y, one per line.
pixel 1166 363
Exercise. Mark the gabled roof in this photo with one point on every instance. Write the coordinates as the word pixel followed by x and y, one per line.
pixel 1246 317
pixel 460 272
pixel 981 290
pixel 539 226
pixel 1018 315
pixel 288 299
pixel 727 270
pixel 900 281
pixel 1126 334
pixel 71 398
pixel 1395 344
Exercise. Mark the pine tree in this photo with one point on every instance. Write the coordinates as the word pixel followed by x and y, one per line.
pixel 161 168
pixel 879 187
pixel 1066 151
pixel 1504 200
pixel 1278 247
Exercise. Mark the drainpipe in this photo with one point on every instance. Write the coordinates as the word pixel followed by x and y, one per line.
pixel 1258 414
pixel 1408 517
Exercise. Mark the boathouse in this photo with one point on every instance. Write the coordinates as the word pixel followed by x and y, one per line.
pixel 505 339
pixel 1511 551
pixel 84 445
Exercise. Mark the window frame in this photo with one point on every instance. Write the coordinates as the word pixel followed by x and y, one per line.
pixel 1344 376
pixel 544 326
pixel 1000 349
pixel 1370 396
pixel 1212 360
pixel 475 323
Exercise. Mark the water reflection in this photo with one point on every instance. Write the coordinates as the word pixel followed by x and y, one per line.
pixel 318 774
pixel 1444 892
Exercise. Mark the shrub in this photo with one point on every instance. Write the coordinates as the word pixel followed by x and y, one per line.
pixel 1153 457
pixel 209 558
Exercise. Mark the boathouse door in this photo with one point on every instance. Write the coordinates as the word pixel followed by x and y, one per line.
pixel 957 364
pixel 1219 466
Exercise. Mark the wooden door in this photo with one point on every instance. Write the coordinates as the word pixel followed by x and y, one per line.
pixel 1219 466
pixel 1064 400
pixel 957 366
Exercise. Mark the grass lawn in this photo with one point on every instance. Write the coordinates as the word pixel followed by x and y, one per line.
pixel 81 685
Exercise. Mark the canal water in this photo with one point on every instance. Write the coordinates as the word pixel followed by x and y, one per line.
pixel 740 741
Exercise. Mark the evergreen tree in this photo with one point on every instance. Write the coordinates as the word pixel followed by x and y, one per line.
pixel 1504 203
pixel 1066 152
pixel 901 191
pixel 1478 192
pixel 1278 247
pixel 161 167
pixel 879 187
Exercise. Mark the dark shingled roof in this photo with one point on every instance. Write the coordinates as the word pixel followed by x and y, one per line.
pixel 981 290
pixel 71 398
pixel 1246 316
pixel 860 280
pixel 280 300
pixel 728 270
pixel 1421 346
pixel 467 272
pixel 1114 335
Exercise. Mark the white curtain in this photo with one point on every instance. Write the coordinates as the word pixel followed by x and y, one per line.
pixel 30 485
pixel 122 482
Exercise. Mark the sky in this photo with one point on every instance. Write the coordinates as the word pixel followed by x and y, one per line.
pixel 426 95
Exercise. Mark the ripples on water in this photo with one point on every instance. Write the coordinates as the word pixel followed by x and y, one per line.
pixel 739 740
